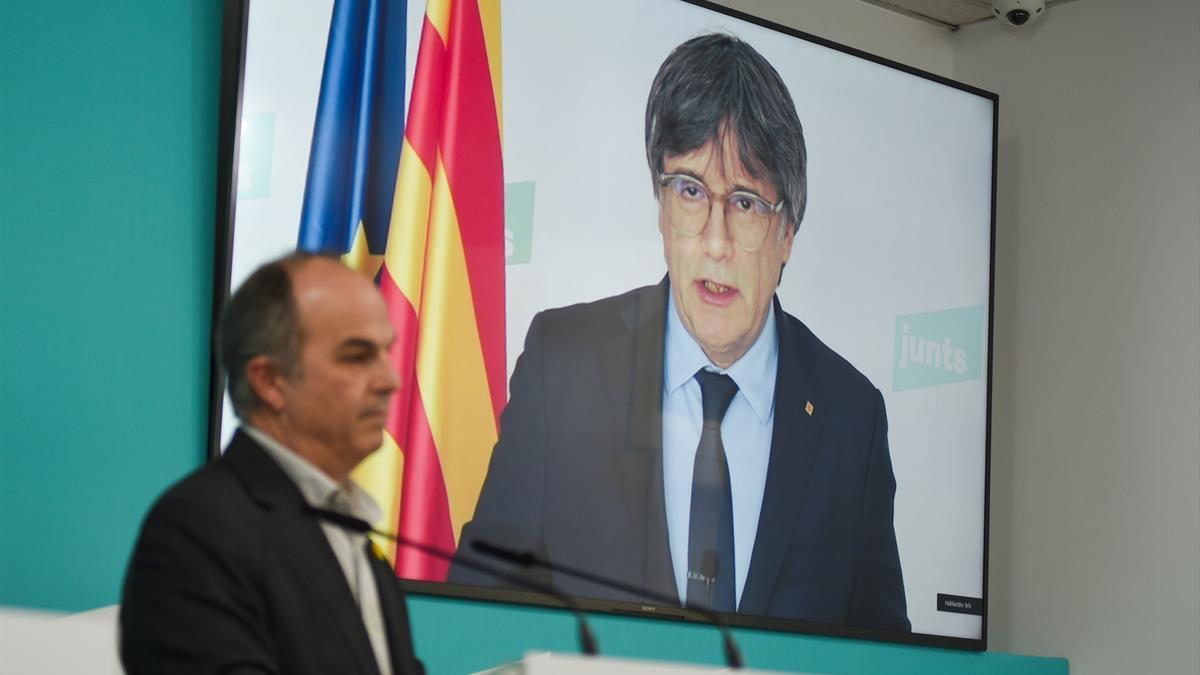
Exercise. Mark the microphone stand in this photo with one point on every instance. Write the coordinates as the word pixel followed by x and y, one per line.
pixel 587 640
pixel 525 559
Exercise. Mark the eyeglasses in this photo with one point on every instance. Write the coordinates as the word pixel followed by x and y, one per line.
pixel 689 201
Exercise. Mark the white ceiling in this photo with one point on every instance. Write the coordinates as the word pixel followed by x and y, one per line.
pixel 949 13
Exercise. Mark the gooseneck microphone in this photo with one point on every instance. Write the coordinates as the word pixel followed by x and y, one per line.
pixel 709 566
pixel 587 641
pixel 733 656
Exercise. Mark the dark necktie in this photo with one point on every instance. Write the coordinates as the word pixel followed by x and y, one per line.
pixel 710 532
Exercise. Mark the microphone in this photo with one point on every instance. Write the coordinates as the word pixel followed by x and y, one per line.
pixel 709 565
pixel 733 656
pixel 707 574
pixel 587 640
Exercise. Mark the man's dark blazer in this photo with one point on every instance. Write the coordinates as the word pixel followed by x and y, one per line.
pixel 577 473
pixel 230 575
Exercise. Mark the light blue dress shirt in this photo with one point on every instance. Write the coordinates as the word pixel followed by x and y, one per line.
pixel 745 433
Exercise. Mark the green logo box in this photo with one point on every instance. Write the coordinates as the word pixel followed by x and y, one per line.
pixel 934 348
pixel 254 164
pixel 518 222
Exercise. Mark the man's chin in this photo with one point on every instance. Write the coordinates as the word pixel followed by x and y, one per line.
pixel 719 347
pixel 369 442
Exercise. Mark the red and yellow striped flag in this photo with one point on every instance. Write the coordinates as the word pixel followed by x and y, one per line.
pixel 443 280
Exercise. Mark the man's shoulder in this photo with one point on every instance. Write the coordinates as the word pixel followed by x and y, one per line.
pixel 210 495
pixel 599 319
pixel 212 498
pixel 833 370
pixel 205 483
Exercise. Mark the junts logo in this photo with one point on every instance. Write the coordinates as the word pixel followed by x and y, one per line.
pixel 518 222
pixel 254 163
pixel 931 353
pixel 941 347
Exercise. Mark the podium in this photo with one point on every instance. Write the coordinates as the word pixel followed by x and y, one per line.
pixel 550 663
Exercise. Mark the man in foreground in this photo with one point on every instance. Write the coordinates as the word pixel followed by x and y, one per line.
pixel 692 438
pixel 231 573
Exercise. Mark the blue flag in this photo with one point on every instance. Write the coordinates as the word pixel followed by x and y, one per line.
pixel 359 129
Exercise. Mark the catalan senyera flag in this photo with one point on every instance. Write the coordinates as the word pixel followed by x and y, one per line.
pixel 439 260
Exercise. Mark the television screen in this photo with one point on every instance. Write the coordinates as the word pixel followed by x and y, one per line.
pixel 686 299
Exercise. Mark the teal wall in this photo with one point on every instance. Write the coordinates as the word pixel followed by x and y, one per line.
pixel 108 117
pixel 108 127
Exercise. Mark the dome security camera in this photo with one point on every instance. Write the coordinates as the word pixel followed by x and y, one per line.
pixel 1018 13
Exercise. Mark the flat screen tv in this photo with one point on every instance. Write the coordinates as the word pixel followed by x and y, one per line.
pixel 608 199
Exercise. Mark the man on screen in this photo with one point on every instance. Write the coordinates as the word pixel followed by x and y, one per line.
pixel 691 437
pixel 231 571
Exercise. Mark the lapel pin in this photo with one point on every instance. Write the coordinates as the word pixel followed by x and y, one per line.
pixel 808 408
pixel 376 551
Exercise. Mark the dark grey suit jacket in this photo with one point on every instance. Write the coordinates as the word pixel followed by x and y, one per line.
pixel 230 575
pixel 577 473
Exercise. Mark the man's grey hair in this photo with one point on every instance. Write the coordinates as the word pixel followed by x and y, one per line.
pixel 716 84
pixel 261 319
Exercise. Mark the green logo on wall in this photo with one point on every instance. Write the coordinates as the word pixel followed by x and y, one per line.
pixel 518 222
pixel 938 348
pixel 254 162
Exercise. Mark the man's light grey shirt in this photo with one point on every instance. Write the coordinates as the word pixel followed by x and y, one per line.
pixel 322 491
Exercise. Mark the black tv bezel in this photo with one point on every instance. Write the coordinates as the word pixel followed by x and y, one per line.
pixel 233 61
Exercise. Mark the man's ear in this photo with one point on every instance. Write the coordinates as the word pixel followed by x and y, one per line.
pixel 789 237
pixel 267 381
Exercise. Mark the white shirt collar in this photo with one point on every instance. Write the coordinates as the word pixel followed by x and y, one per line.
pixel 754 372
pixel 317 488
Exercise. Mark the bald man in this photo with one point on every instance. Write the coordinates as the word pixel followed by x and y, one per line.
pixel 231 573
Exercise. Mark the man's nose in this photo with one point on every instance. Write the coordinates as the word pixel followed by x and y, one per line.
pixel 715 237
pixel 387 380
